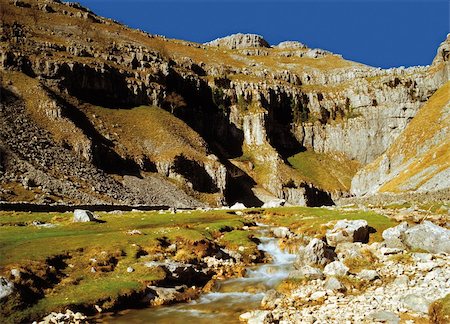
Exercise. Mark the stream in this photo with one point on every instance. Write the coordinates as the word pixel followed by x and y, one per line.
pixel 231 297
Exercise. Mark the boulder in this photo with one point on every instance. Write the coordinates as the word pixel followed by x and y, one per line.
pixel 348 231
pixel 332 283
pixel 306 272
pixel 82 216
pixel 256 317
pixel 348 250
pixel 368 275
pixel 401 281
pixel 67 317
pixel 335 268
pixel 316 253
pixel 163 296
pixel 318 295
pixel 282 232
pixel 384 317
pixel 274 203
pixel 238 206
pixel 429 237
pixel 393 236
pixel 416 303
pixel 6 288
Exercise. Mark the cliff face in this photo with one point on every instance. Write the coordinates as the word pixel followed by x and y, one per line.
pixel 419 159
pixel 220 121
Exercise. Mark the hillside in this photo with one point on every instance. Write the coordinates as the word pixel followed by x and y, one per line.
pixel 419 159
pixel 96 112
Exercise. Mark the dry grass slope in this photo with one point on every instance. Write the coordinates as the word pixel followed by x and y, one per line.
pixel 425 142
pixel 149 131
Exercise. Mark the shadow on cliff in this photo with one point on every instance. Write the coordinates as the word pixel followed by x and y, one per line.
pixel 106 87
pixel 279 120
pixel 195 174
pixel 317 198
pixel 210 119
pixel 103 154
pixel 239 187
pixel 206 117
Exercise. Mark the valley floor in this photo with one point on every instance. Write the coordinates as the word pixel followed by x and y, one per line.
pixel 137 259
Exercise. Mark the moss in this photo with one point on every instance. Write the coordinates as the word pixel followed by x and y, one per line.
pixel 356 264
pixel 237 238
pixel 404 258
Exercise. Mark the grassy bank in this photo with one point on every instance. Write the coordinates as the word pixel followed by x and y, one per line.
pixel 86 263
pixel 78 265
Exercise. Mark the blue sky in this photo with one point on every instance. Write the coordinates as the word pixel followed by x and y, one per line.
pixel 385 33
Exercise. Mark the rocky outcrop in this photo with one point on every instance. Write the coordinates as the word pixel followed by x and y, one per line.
pixel 239 41
pixel 441 62
pixel 291 44
pixel 370 115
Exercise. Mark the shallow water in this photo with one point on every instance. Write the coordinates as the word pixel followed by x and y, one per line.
pixel 231 297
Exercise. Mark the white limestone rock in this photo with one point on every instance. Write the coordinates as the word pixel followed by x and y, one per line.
pixel 429 237
pixel 348 231
pixel 335 268
pixel 6 288
pixel 315 253
pixel 239 41
pixel 83 216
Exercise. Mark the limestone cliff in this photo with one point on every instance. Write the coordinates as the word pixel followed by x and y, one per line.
pixel 419 159
pixel 231 120
pixel 239 41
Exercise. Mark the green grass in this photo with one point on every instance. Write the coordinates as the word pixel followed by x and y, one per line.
pixel 237 238
pixel 148 131
pixel 99 291
pixel 20 244
pixel 326 171
pixel 29 247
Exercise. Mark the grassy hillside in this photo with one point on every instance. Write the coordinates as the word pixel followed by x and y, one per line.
pixel 329 171
pixel 149 131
